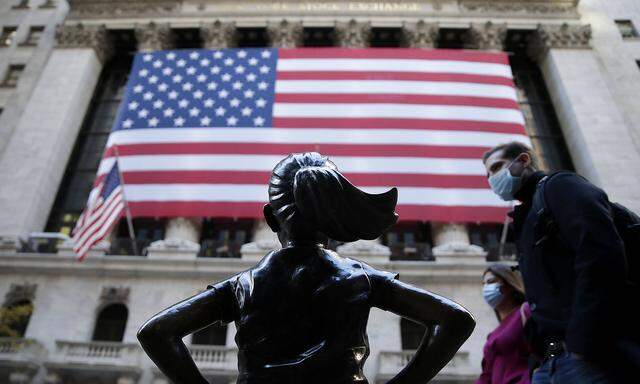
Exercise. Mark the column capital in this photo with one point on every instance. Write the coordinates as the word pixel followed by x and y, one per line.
pixel 421 34
pixel 218 34
pixel 85 36
pixel 564 36
pixel 285 34
pixel 353 34
pixel 487 36
pixel 153 37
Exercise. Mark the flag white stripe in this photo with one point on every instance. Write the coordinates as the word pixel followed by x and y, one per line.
pixel 115 204
pixel 395 87
pixel 315 135
pixel 395 65
pixel 259 193
pixel 100 233
pixel 265 163
pixel 406 111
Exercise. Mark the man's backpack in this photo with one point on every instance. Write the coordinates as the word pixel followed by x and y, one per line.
pixel 626 222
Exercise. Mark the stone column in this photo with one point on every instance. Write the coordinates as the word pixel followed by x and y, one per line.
pixel 450 240
pixel 264 240
pixel 153 37
pixel 486 37
pixel 218 34
pixel 52 378
pixel 35 158
pixel 452 245
pixel 353 34
pixel 420 34
pixel 599 140
pixel 181 239
pixel 285 34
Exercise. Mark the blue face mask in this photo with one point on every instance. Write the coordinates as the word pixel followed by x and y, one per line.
pixel 504 184
pixel 492 294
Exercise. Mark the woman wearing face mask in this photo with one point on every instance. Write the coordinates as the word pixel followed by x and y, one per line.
pixel 506 353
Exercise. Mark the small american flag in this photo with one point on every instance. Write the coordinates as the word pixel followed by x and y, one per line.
pixel 199 131
pixel 105 206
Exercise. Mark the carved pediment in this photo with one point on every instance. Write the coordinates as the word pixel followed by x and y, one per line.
pixel 80 9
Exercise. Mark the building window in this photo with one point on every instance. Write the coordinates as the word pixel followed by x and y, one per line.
pixel 319 37
pixel 224 237
pixel 412 333
pixel 90 143
pixel 409 241
pixel 13 75
pixel 146 230
pixel 187 38
pixel 386 37
pixel 215 334
pixel 48 4
pixel 35 33
pixel 490 237
pixel 451 38
pixel 14 318
pixel 22 4
pixel 111 323
pixel 627 29
pixel 252 37
pixel 8 34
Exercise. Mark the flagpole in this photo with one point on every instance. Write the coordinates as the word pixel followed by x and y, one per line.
pixel 127 212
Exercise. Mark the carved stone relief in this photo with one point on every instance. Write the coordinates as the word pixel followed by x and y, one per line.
pixel 20 292
pixel 353 34
pixel 218 34
pixel 285 34
pixel 421 34
pixel 564 36
pixel 528 7
pixel 153 37
pixel 79 9
pixel 488 36
pixel 114 295
pixel 85 36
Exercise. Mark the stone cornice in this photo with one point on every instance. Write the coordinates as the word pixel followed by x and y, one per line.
pixel 208 269
pixel 538 7
pixel 80 9
pixel 85 36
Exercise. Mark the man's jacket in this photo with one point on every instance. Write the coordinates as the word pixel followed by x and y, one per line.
pixel 573 266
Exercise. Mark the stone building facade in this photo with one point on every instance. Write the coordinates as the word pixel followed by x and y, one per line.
pixel 576 64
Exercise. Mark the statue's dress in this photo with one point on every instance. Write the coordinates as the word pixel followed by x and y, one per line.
pixel 301 316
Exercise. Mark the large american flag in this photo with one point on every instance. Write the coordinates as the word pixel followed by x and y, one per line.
pixel 200 130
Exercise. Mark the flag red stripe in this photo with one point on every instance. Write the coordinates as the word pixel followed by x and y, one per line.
pixel 403 76
pixel 253 210
pixel 384 123
pixel 101 214
pixel 216 148
pixel 393 53
pixel 262 178
pixel 395 99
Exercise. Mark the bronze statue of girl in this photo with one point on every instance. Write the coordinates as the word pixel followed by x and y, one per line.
pixel 301 313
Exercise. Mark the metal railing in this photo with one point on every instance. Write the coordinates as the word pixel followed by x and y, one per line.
pixel 414 251
pixel 97 352
pixel 122 246
pixel 215 357
pixel 220 248
pixel 42 242
pixel 506 252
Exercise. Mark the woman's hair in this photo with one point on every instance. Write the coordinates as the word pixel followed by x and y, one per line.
pixel 307 191
pixel 511 277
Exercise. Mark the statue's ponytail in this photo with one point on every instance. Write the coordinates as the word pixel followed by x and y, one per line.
pixel 308 187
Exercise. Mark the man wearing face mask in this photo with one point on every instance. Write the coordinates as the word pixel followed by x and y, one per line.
pixel 573 268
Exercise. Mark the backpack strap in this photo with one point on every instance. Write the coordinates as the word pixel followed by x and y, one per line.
pixel 523 314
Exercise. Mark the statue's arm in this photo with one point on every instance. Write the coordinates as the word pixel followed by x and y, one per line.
pixel 161 336
pixel 454 326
